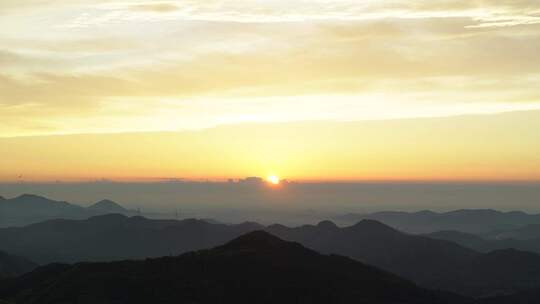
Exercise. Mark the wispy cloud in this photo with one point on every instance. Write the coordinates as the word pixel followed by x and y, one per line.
pixel 482 13
pixel 154 7
pixel 121 63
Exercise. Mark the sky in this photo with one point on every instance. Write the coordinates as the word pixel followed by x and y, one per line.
pixel 306 90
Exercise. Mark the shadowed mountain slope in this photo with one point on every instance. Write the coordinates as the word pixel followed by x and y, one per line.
pixel 431 263
pixel 115 237
pixel 482 244
pixel 531 296
pixel 468 240
pixel 417 257
pixel 254 268
pixel 11 265
pixel 527 232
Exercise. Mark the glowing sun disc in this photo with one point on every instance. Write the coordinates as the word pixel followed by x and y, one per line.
pixel 272 179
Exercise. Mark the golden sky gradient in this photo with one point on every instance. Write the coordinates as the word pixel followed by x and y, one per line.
pixel 314 90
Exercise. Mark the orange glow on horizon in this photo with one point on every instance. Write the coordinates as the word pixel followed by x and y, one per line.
pixel 105 91
pixel 273 179
pixel 481 148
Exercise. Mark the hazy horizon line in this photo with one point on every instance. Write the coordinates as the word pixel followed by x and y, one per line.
pixel 284 181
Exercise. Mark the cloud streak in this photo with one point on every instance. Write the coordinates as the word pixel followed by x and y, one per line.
pixel 145 63
pixel 488 13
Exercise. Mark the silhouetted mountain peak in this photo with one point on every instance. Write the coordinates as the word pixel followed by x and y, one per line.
pixel 30 209
pixel 373 226
pixel 251 225
pixel 327 225
pixel 476 221
pixel 259 241
pixel 237 272
pixel 256 237
pixel 474 212
pixel 36 201
pixel 31 198
pixel 108 205
pixel 277 227
pixel 105 202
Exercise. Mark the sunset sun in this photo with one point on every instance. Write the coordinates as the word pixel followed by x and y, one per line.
pixel 273 179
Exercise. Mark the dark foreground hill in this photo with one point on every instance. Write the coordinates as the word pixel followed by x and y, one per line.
pixel 11 265
pixel 29 209
pixel 254 268
pixel 432 263
pixel 531 296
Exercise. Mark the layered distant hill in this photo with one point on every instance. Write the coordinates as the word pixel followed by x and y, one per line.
pixel 108 206
pixel 466 220
pixel 486 244
pixel 28 209
pixel 526 232
pixel 115 237
pixel 420 258
pixel 254 268
pixel 11 265
pixel 429 262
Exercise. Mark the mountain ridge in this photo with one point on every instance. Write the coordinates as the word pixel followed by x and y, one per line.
pixel 286 273
pixel 436 264
pixel 11 265
pixel 465 220
pixel 28 209
pixel 484 244
pixel 107 205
